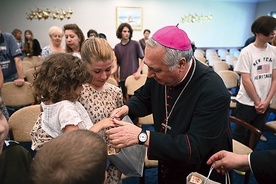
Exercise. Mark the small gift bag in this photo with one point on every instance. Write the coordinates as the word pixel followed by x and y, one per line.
pixel 196 178
pixel 129 160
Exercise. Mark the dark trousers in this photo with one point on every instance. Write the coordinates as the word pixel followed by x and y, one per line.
pixel 15 163
pixel 249 115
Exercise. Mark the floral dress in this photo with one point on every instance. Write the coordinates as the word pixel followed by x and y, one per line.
pixel 99 105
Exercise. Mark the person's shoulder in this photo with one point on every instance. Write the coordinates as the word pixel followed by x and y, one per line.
pixel 113 88
pixel 117 45
pixel 64 104
pixel 134 41
pixel 9 37
pixel 47 47
pixel 35 40
pixel 7 34
pixel 248 48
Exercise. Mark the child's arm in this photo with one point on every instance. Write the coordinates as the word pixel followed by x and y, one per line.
pixel 105 123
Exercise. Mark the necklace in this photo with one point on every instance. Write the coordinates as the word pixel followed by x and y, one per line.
pixel 165 125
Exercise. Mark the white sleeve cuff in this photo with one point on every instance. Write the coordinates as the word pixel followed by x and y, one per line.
pixel 249 162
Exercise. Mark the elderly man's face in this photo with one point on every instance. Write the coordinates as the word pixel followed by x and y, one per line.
pixel 154 59
pixel 4 128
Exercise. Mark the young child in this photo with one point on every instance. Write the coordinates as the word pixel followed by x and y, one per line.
pixel 57 84
pixel 83 160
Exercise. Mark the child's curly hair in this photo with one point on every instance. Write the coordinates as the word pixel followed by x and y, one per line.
pixel 58 77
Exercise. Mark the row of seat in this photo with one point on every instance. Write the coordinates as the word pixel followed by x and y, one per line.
pixel 211 56
pixel 29 63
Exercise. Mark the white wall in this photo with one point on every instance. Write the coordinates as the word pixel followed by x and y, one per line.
pixel 229 27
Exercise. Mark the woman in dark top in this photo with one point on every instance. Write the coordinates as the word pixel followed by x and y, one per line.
pixel 32 46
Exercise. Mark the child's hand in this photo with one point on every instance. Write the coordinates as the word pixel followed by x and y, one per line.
pixel 107 122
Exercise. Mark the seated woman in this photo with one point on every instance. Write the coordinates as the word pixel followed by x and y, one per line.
pixel 31 45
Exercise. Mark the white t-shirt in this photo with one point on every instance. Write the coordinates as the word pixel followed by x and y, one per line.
pixel 56 116
pixel 259 63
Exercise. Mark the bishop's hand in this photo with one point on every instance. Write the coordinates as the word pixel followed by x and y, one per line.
pixel 124 135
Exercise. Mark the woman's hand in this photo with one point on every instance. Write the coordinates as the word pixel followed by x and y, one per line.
pixel 119 112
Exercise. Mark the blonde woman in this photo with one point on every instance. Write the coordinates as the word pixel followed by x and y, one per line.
pixel 98 97
pixel 56 35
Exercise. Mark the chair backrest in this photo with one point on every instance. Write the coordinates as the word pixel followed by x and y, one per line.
pixel 223 55
pixel 231 60
pixel 254 132
pixel 201 59
pixel 17 96
pixel 212 59
pixel 22 121
pixel 111 80
pixel 26 66
pixel 200 54
pixel 132 84
pixel 35 60
pixel 220 65
pixel 230 78
pixel 29 75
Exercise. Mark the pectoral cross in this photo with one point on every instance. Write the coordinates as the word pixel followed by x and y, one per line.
pixel 166 126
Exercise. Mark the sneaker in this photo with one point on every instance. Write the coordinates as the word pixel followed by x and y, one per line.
pixel 263 138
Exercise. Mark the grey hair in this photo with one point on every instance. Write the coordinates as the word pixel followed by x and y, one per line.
pixel 55 29
pixel 172 56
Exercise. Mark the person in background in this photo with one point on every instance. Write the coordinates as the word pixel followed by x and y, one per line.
pixel 17 33
pixel 189 103
pixel 257 66
pixel 98 97
pixel 102 35
pixel 57 84
pixel 75 157
pixel 249 40
pixel 55 34
pixel 31 45
pixel 10 61
pixel 261 164
pixel 73 38
pixel 128 52
pixel 143 41
pixel 92 33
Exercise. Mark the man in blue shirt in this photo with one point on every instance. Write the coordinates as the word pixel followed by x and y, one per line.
pixel 10 61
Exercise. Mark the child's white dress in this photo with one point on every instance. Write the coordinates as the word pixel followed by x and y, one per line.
pixel 54 118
